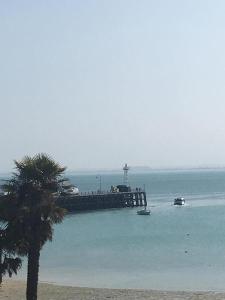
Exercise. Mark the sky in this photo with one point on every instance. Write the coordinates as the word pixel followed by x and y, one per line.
pixel 96 84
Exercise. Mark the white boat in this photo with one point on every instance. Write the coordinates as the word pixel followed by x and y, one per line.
pixel 73 190
pixel 179 201
pixel 69 189
pixel 143 212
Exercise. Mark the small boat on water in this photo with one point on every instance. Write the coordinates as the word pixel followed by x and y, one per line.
pixel 143 212
pixel 179 201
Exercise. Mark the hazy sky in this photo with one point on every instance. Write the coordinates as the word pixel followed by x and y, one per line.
pixel 99 83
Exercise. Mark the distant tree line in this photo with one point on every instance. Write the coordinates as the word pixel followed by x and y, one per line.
pixel 28 211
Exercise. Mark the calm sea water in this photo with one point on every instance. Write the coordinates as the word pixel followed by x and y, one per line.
pixel 174 248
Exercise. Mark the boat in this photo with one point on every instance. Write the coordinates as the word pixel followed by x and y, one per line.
pixel 68 189
pixel 143 212
pixel 179 201
pixel 73 190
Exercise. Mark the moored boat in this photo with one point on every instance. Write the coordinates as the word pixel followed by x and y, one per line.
pixel 68 189
pixel 179 201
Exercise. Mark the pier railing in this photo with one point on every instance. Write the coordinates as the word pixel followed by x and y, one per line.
pixel 108 192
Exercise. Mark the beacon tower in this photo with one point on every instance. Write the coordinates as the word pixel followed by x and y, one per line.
pixel 125 175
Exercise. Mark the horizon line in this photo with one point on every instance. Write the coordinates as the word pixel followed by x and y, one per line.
pixel 137 168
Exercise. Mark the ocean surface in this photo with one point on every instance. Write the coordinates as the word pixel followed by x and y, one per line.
pixel 175 248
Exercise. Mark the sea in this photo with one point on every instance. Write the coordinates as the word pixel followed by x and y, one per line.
pixel 175 248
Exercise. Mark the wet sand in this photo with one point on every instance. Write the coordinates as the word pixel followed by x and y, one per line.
pixel 15 290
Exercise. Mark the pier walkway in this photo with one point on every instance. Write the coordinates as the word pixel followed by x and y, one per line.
pixel 92 201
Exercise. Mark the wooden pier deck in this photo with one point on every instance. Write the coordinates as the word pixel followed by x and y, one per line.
pixel 94 201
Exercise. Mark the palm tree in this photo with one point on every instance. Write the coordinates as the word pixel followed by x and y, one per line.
pixel 9 264
pixel 32 190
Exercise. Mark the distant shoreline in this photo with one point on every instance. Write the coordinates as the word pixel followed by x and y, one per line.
pixel 15 290
pixel 133 170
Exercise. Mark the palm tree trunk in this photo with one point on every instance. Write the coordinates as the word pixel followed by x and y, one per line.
pixel 32 270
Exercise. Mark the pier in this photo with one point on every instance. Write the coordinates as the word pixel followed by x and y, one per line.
pixel 94 201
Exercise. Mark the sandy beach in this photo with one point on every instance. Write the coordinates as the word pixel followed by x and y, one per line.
pixel 15 290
